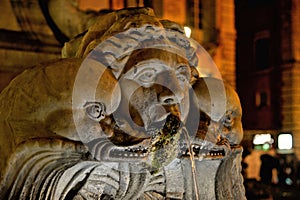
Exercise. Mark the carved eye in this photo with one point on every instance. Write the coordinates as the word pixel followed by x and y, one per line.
pixel 146 76
pixel 228 119
pixel 95 110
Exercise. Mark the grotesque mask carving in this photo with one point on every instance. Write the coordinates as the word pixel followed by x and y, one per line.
pixel 221 110
pixel 118 121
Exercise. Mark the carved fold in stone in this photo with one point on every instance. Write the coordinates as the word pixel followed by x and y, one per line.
pixel 36 167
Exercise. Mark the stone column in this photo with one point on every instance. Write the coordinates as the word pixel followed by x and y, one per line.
pixel 290 90
pixel 225 55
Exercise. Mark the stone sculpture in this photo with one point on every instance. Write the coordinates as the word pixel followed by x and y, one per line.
pixel 125 115
pixel 220 133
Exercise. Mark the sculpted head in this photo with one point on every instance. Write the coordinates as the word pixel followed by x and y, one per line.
pixel 221 111
pixel 154 65
pixel 155 83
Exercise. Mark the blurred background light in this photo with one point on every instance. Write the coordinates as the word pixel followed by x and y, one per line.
pixel 262 139
pixel 187 31
pixel 285 141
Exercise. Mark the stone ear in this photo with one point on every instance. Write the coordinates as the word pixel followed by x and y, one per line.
pixel 95 110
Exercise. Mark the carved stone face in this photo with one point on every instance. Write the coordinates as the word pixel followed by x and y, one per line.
pixel 220 126
pixel 154 88
pixel 152 67
pixel 231 127
pixel 155 84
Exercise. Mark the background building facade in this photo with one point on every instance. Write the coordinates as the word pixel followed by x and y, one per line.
pixel 268 66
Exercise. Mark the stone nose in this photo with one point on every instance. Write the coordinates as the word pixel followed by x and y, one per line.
pixel 167 97
pixel 169 90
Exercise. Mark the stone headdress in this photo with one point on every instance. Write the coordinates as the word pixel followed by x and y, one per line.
pixel 114 36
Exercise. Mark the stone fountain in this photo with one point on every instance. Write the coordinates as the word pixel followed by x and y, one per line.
pixel 127 113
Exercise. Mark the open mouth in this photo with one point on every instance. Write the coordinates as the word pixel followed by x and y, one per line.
pixel 162 142
pixel 105 150
pixel 123 146
pixel 129 152
pixel 201 152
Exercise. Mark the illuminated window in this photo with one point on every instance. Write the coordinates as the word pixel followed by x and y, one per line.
pixel 285 141
pixel 263 141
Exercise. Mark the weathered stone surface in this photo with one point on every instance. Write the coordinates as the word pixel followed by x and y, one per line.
pixel 129 118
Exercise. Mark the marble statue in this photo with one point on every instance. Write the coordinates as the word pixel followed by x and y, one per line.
pixel 125 114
